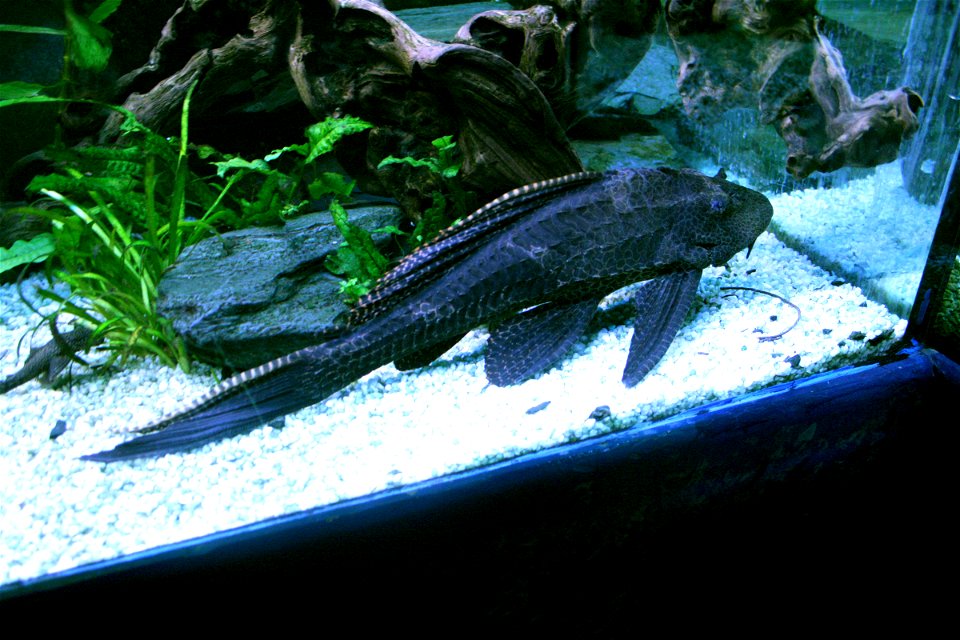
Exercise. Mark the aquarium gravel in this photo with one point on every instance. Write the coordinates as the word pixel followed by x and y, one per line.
pixel 870 231
pixel 391 429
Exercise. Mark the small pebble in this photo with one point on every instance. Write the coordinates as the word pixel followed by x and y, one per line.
pixel 600 413
pixel 58 429
pixel 538 408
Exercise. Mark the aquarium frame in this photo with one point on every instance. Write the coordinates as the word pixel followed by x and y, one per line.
pixel 843 471
pixel 880 421
pixel 941 262
pixel 737 460
pixel 650 478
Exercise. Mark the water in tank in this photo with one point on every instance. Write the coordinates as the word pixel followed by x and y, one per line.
pixel 296 255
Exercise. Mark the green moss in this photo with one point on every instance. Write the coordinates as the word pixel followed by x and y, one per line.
pixel 947 322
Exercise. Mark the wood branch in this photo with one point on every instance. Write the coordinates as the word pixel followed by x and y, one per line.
pixel 771 56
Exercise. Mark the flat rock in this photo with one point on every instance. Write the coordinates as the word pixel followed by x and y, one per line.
pixel 248 296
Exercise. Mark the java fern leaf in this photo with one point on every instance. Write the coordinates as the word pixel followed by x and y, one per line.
pixel 330 183
pixel 104 10
pixel 445 164
pixel 119 191
pixel 17 92
pixel 358 259
pixel 322 136
pixel 36 249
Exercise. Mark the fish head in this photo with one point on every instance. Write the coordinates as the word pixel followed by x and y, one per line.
pixel 718 219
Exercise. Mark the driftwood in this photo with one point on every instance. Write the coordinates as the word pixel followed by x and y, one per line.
pixel 506 88
pixel 364 61
pixel 235 51
pixel 46 362
pixel 771 55
pixel 353 57
pixel 576 51
pixel 508 84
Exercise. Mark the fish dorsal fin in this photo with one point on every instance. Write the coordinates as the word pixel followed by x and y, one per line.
pixel 533 340
pixel 424 357
pixel 429 260
pixel 662 304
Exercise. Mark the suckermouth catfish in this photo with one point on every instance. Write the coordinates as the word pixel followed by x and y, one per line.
pixel 532 265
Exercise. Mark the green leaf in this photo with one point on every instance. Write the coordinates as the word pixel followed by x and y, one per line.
pixel 23 252
pixel 205 152
pixel 446 148
pixel 443 143
pixel 40 31
pixel 433 220
pixel 352 289
pixel 18 90
pixel 329 183
pixel 90 43
pixel 391 230
pixel 104 11
pixel 343 262
pixel 29 100
pixel 302 149
pixel 429 163
pixel 445 164
pixel 323 135
pixel 69 236
pixel 241 164
pixel 358 257
pixel 120 190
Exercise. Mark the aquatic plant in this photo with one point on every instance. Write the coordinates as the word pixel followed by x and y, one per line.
pixel 87 47
pixel 450 202
pixel 358 260
pixel 118 219
pixel 36 249
pixel 280 194
pixel 121 215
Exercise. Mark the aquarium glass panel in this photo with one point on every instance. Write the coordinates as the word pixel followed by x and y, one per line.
pixel 252 283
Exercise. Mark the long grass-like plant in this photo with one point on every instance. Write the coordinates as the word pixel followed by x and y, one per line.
pixel 112 248
pixel 122 214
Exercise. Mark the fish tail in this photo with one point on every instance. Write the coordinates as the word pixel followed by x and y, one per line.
pixel 247 401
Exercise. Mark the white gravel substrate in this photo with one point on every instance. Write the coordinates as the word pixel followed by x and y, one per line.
pixel 391 428
pixel 871 232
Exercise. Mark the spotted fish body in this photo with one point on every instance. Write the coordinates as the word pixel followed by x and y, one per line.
pixel 532 265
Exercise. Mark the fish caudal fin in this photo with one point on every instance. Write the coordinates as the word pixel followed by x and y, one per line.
pixel 238 405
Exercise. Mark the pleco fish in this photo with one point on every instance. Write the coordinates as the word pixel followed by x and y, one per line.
pixel 532 265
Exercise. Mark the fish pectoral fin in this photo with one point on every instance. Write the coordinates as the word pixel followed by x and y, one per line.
pixel 423 357
pixel 662 304
pixel 533 340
